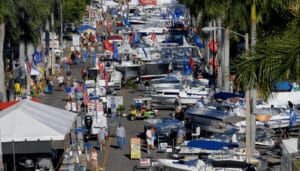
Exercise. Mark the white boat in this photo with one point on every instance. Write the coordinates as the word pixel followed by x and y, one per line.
pixel 166 82
pixel 190 165
pixel 187 97
pixel 200 165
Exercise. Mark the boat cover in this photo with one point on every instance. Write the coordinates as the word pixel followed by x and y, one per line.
pixel 187 162
pixel 210 144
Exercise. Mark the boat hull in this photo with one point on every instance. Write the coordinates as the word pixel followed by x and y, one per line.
pixel 154 68
pixel 129 72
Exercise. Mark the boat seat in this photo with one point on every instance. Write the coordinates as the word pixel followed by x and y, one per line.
pixel 196 135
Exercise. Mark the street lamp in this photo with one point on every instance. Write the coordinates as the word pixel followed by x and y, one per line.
pixel 225 59
pixel 250 131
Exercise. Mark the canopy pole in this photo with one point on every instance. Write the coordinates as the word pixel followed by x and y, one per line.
pixel 1 157
pixel 14 155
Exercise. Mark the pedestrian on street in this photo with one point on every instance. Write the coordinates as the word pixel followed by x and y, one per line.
pixel 180 136
pixel 149 139
pixel 102 135
pixel 94 160
pixel 121 136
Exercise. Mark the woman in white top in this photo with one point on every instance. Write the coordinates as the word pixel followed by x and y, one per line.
pixel 149 139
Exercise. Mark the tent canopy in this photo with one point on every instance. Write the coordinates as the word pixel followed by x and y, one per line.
pixel 32 121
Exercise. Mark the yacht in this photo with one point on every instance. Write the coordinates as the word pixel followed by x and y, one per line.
pixel 211 119
pixel 187 97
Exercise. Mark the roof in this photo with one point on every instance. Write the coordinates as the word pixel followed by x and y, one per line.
pixel 32 121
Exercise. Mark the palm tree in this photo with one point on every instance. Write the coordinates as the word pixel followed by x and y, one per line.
pixel 6 13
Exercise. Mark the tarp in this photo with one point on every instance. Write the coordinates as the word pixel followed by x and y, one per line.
pixel 84 28
pixel 5 105
pixel 283 86
pixel 32 121
pixel 210 144
pixel 225 95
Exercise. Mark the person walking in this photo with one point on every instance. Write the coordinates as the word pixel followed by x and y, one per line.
pixel 149 139
pixel 102 135
pixel 94 160
pixel 121 136
pixel 180 136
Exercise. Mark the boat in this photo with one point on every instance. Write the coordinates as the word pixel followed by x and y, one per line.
pixel 187 97
pixel 200 165
pixel 190 165
pixel 166 82
pixel 212 120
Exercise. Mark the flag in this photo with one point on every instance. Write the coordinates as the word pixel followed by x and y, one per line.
pixel 198 42
pixel 213 62
pixel 186 68
pixel 108 46
pixel 177 13
pixel 136 38
pixel 85 55
pixel 293 118
pixel 107 76
pixel 37 57
pixel 191 62
pixel 28 66
pixel 115 51
pixel 100 67
pixel 153 37
pixel 213 46
pixel 126 22
pixel 144 50
pixel 131 37
pixel 85 99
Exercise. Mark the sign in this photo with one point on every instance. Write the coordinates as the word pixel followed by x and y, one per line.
pixel 75 40
pixel 290 145
pixel 54 44
pixel 117 100
pixel 135 148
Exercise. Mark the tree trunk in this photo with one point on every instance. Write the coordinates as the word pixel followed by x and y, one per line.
pixel 251 97
pixel 3 96
pixel 253 90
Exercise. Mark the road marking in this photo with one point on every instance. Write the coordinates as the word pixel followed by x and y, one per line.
pixel 107 146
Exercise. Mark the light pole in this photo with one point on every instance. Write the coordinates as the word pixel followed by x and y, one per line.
pixel 250 128
pixel 225 60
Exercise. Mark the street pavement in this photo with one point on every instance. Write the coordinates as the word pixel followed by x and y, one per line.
pixel 111 159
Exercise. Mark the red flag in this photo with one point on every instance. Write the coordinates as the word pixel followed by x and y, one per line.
pixel 153 37
pixel 86 98
pixel 213 62
pixel 101 67
pixel 28 67
pixel 108 46
pixel 213 46
pixel 192 63
pixel 107 75
pixel 131 37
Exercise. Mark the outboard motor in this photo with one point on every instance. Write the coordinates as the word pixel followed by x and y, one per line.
pixel 88 121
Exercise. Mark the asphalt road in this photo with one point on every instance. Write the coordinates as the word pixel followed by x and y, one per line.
pixel 111 159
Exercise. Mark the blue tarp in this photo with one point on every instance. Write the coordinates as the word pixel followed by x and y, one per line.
pixel 83 28
pixel 283 86
pixel 210 145
pixel 225 95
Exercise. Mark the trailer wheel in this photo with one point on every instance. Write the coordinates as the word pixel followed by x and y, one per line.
pixel 131 117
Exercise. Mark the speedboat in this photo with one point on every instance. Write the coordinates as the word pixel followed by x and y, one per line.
pixel 212 120
pixel 166 82
pixel 190 165
pixel 187 97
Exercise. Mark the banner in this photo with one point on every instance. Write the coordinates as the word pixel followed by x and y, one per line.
pixel 135 148
pixel 75 40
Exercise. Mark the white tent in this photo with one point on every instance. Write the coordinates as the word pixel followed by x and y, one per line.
pixel 33 121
